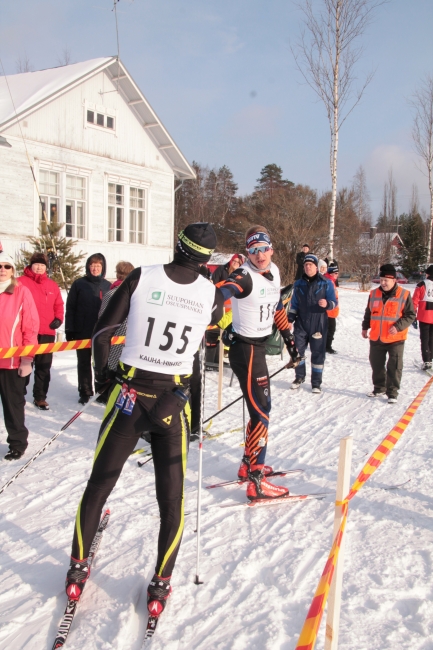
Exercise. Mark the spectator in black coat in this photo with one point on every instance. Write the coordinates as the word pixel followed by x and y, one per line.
pixel 223 271
pixel 300 261
pixel 82 309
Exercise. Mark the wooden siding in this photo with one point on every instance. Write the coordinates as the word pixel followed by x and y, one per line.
pixel 57 134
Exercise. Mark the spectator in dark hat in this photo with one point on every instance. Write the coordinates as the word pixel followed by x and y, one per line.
pixel 423 304
pixel 300 261
pixel 49 303
pixel 389 313
pixel 82 309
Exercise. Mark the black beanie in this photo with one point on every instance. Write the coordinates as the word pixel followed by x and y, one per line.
pixel 197 242
pixel 429 270
pixel 388 271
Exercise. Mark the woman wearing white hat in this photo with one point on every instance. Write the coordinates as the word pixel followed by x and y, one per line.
pixel 19 325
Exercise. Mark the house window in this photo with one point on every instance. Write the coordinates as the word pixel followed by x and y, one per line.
pixel 75 217
pixel 136 215
pixel 91 117
pixel 99 118
pixel 115 212
pixel 50 195
pixel 110 122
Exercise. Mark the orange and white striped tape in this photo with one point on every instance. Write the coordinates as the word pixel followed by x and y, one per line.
pixel 308 636
pixel 45 348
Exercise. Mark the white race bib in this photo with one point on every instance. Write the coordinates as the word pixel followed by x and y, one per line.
pixel 166 322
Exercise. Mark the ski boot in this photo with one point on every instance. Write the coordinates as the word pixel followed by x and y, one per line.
pixel 245 466
pixel 76 578
pixel 158 591
pixel 259 488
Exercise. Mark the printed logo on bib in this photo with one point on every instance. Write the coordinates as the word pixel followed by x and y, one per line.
pixel 262 292
pixel 155 296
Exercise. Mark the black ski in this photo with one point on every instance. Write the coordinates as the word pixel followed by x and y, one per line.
pixel 71 606
pixel 282 472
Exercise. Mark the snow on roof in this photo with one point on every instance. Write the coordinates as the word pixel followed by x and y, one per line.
pixel 30 88
pixel 220 258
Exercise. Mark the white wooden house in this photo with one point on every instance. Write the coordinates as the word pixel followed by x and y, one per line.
pixel 104 163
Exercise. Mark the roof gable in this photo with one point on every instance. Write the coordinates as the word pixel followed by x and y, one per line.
pixel 31 90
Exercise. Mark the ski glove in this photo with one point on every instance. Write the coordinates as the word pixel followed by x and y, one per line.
pixel 25 366
pixel 289 340
pixel 55 324
pixel 415 324
pixel 103 379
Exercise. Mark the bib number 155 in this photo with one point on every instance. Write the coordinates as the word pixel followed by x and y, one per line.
pixel 169 336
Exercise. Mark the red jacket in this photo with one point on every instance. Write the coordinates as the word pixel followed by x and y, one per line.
pixel 333 313
pixel 19 322
pixel 423 307
pixel 47 297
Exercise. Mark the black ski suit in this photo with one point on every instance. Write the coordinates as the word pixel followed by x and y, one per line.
pixel 119 433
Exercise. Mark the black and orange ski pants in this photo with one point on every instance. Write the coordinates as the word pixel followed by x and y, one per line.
pixel 248 362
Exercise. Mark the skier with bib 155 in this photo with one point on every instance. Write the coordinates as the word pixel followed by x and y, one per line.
pixel 168 308
pixel 256 304
pixel 312 296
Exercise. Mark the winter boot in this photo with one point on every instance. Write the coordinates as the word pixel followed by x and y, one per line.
pixel 331 351
pixel 41 404
pixel 84 399
pixel 13 454
pixel 158 591
pixel 298 381
pixel 426 365
pixel 316 389
pixel 245 466
pixel 375 393
pixel 76 578
pixel 259 488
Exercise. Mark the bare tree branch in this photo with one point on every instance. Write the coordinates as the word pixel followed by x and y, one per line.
pixel 326 56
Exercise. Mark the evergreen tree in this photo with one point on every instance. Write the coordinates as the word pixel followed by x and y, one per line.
pixel 413 253
pixel 271 180
pixel 66 259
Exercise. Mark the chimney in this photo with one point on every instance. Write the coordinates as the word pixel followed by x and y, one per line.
pixel 373 231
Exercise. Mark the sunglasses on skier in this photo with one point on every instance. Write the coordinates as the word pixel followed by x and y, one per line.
pixel 259 249
pixel 8 267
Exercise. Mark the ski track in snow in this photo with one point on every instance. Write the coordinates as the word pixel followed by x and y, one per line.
pixel 260 567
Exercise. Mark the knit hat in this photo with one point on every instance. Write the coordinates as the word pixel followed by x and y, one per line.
pixel 429 270
pixel 311 258
pixel 321 263
pixel 238 257
pixel 333 267
pixel 5 258
pixel 38 258
pixel 197 242
pixel 388 271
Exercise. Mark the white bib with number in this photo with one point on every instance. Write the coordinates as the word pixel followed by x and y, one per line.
pixel 166 322
pixel 253 316
pixel 428 296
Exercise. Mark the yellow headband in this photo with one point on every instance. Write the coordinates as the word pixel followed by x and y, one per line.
pixel 194 246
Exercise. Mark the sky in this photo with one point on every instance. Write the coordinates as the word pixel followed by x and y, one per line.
pixel 221 76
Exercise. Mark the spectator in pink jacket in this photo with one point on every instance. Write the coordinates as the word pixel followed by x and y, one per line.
pixel 49 304
pixel 19 325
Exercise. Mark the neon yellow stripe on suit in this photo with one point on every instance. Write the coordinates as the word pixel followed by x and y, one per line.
pixel 79 533
pixel 187 410
pixel 110 407
pixel 176 540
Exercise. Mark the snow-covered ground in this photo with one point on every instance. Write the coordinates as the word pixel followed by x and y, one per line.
pixel 260 567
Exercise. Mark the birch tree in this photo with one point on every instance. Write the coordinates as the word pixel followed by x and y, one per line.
pixel 422 134
pixel 326 56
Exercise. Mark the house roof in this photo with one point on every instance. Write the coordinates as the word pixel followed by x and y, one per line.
pixel 381 236
pixel 31 90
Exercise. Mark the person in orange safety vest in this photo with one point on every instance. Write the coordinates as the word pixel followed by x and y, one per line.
pixel 388 315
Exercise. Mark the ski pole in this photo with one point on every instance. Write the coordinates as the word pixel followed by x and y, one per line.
pixel 288 366
pixel 47 444
pixel 197 580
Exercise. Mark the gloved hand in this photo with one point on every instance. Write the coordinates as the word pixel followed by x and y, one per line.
pixel 70 336
pixel 415 324
pixel 103 379
pixel 55 324
pixel 25 366
pixel 289 340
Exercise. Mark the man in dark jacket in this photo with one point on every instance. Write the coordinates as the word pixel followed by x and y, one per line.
pixel 312 296
pixel 82 309
pixel 389 313
pixel 300 261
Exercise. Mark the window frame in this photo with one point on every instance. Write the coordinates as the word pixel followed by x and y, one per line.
pixel 99 110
